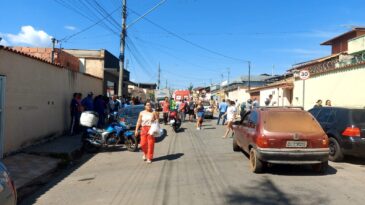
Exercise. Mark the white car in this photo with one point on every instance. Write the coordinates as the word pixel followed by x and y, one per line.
pixel 208 110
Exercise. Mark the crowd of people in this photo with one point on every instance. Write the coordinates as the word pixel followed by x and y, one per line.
pixel 103 105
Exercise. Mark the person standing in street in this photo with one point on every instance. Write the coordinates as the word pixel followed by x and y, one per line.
pixel 222 109
pixel 145 120
pixel 116 105
pixel 243 111
pixel 172 104
pixel 318 103
pixel 191 107
pixel 75 116
pixel 200 115
pixel 255 103
pixel 182 109
pixel 166 110
pixel 100 106
pixel 231 116
pixel 328 103
pixel 88 102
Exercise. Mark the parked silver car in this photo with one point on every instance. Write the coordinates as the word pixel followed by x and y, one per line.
pixel 7 189
pixel 208 109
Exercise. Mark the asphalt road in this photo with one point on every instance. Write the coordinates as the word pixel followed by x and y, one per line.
pixel 197 167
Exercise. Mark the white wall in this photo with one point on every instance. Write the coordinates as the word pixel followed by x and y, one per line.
pixel 240 94
pixel 37 98
pixel 343 88
pixel 279 96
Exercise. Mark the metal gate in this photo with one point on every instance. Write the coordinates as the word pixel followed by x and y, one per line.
pixel 2 107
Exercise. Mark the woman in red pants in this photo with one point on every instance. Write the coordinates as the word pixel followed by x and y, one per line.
pixel 144 122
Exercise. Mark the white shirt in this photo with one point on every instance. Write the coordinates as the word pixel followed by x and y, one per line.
pixel 147 118
pixel 231 112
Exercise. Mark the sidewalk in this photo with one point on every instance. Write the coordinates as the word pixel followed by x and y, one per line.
pixel 35 165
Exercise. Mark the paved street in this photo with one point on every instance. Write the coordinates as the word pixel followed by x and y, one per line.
pixel 197 167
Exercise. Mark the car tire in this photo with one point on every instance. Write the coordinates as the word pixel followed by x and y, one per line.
pixel 320 168
pixel 335 153
pixel 256 165
pixel 236 148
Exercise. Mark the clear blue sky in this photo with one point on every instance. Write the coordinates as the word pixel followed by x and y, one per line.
pixel 270 33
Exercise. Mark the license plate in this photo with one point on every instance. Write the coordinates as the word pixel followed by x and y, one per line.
pixel 172 121
pixel 296 143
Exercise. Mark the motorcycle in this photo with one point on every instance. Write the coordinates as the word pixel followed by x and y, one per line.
pixel 115 133
pixel 175 121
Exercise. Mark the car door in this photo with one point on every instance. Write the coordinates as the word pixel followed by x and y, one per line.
pixel 323 116
pixel 241 131
pixel 251 129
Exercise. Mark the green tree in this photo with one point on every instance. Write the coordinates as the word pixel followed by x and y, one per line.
pixel 190 88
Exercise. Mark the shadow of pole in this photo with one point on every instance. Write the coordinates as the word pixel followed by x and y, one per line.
pixel 169 157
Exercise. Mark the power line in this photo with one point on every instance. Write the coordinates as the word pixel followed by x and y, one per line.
pixel 89 27
pixel 188 41
pixel 84 10
pixel 159 46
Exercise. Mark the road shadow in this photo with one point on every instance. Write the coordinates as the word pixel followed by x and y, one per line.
pixel 33 192
pixel 169 157
pixel 210 128
pixel 117 148
pixel 181 129
pixel 162 137
pixel 293 170
pixel 353 160
pixel 265 192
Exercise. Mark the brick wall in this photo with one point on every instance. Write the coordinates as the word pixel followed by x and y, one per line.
pixel 65 59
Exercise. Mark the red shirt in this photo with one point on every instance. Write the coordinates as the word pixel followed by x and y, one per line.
pixel 166 107
pixel 182 106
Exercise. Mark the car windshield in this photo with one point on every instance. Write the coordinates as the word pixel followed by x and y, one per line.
pixel 132 111
pixel 290 122
pixel 358 116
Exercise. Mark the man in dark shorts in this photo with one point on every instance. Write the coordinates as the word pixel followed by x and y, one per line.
pixel 191 107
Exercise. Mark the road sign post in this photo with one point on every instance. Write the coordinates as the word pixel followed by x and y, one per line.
pixel 304 75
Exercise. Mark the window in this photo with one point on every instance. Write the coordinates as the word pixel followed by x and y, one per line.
pixel 323 115
pixel 358 116
pixel 332 117
pixel 253 118
pixel 314 111
pixel 290 121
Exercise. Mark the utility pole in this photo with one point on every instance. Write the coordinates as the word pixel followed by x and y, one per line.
pixel 122 48
pixel 53 47
pixel 159 77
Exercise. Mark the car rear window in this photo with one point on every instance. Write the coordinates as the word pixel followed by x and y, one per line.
pixel 290 121
pixel 358 116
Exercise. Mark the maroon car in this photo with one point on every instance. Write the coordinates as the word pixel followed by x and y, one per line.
pixel 281 136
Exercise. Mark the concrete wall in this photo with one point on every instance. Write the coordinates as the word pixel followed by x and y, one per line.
pixel 239 94
pixel 37 98
pixel 343 87
pixel 280 96
pixel 94 67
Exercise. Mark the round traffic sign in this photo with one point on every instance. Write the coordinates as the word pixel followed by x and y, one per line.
pixel 304 74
